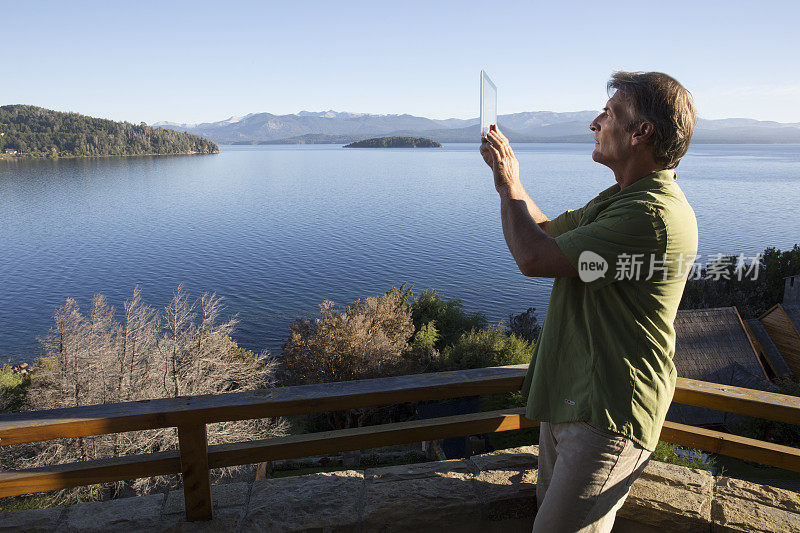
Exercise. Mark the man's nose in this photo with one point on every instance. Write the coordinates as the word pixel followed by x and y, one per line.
pixel 593 125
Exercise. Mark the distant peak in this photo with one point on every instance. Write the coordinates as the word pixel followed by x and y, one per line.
pixel 234 119
pixel 172 124
pixel 332 114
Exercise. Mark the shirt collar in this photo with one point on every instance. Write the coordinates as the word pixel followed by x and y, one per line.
pixel 651 181
pixel 654 180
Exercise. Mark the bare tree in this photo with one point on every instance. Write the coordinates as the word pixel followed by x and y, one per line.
pixel 184 350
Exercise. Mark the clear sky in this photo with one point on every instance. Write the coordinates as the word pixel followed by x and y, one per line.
pixel 205 61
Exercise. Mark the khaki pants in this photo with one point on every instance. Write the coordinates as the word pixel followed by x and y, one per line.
pixel 585 474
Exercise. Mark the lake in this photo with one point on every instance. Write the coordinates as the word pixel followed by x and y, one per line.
pixel 276 230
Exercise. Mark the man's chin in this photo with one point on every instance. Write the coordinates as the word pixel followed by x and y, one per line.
pixel 598 157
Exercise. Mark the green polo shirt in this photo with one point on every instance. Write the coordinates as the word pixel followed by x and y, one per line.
pixel 604 355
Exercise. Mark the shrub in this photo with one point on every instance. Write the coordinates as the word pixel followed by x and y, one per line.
pixel 524 325
pixel 482 348
pixel 422 350
pixel 12 389
pixel 447 316
pixel 368 339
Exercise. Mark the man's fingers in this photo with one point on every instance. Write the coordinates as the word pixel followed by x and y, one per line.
pixel 494 140
pixel 502 137
pixel 488 149
pixel 502 142
pixel 502 146
pixel 495 154
pixel 486 154
pixel 498 138
pixel 505 141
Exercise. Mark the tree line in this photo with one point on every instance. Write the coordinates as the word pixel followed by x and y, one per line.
pixel 37 132
pixel 753 289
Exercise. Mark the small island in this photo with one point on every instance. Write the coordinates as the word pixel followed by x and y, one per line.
pixel 395 142
pixel 32 132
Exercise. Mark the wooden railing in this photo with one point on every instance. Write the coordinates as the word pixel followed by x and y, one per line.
pixel 195 457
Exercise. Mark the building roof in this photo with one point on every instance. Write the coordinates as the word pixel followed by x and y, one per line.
pixel 770 350
pixel 793 312
pixel 782 323
pixel 712 345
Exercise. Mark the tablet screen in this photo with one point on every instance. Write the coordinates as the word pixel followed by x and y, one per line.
pixel 488 103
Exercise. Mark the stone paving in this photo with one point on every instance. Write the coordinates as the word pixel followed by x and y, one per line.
pixel 487 493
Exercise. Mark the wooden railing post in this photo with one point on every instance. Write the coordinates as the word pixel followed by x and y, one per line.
pixel 194 469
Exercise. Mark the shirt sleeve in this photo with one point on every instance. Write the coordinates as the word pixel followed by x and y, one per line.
pixel 566 221
pixel 622 240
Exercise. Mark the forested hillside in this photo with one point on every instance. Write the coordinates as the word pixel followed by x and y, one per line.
pixel 38 132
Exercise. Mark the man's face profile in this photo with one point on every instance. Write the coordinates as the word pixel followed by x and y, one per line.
pixel 612 141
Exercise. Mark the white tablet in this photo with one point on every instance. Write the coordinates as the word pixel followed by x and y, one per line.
pixel 488 103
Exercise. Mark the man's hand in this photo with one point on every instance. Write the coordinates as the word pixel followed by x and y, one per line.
pixel 497 153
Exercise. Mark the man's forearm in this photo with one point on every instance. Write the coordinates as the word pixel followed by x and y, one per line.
pixel 535 213
pixel 524 226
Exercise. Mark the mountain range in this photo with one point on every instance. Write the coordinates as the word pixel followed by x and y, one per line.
pixel 309 127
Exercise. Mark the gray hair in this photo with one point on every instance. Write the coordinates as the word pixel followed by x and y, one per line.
pixel 659 99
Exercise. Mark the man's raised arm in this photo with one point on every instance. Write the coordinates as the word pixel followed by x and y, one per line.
pixel 533 210
pixel 524 224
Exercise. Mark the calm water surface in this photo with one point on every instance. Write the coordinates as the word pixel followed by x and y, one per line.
pixel 278 229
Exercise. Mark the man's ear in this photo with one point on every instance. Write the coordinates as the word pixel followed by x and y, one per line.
pixel 643 133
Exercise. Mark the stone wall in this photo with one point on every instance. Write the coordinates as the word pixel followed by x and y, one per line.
pixel 487 493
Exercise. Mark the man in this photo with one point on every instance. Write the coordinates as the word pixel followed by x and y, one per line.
pixel 601 378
